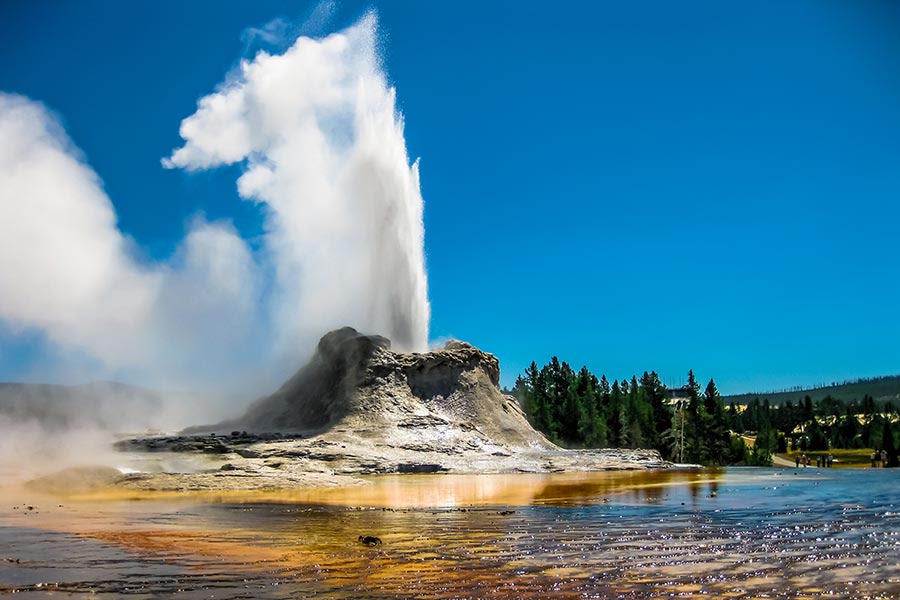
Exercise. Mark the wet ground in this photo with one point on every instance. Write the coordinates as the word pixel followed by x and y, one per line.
pixel 738 533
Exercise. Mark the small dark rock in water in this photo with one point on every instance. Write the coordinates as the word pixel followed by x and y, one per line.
pixel 369 540
pixel 506 512
pixel 228 467
pixel 713 494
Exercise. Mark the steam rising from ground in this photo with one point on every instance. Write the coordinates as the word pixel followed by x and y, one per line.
pixel 318 132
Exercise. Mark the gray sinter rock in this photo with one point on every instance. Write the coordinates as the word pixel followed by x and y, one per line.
pixel 359 408
pixel 355 379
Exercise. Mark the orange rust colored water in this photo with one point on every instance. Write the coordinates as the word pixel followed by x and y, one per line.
pixel 445 491
pixel 729 534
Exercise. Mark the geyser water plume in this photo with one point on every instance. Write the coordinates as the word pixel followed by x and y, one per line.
pixel 323 144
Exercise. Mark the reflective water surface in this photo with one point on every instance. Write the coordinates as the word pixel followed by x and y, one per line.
pixel 737 533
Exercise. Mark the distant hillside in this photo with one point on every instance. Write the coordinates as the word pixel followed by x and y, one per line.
pixel 102 404
pixel 880 388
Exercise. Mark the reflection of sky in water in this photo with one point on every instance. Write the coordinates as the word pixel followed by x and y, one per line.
pixel 744 533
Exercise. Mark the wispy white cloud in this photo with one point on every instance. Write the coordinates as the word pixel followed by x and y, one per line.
pixel 67 271
pixel 280 33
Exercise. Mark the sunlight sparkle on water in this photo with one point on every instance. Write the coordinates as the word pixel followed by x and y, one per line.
pixel 625 535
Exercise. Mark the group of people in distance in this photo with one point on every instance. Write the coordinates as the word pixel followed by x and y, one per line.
pixel 821 461
pixel 879 458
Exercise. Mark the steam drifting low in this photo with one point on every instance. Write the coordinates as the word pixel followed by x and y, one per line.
pixel 318 133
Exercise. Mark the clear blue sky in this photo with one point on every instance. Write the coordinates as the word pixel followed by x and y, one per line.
pixel 628 185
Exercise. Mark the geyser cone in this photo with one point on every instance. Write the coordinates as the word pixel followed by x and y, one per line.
pixel 360 408
pixel 323 391
pixel 357 384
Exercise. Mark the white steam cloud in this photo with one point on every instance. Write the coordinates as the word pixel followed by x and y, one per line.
pixel 324 149
pixel 67 271
pixel 319 135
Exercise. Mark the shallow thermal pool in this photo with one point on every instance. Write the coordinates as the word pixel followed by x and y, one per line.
pixel 734 533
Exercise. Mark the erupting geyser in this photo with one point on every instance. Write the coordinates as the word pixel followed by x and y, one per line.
pixel 323 143
pixel 317 132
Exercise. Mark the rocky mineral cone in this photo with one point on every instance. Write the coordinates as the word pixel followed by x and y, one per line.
pixel 359 408
pixel 355 382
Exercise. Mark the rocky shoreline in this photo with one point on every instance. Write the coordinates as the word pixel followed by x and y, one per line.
pixel 340 458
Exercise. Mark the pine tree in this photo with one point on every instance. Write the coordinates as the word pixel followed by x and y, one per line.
pixel 868 407
pixel 808 414
pixel 660 411
pixel 616 416
pixel 848 429
pixel 573 413
pixel 591 429
pixel 734 419
pixel 544 401
pixel 529 400
pixel 716 436
pixel 674 437
pixel 636 415
pixel 695 447
pixel 887 441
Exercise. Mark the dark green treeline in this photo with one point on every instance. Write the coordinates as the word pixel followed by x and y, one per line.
pixel 825 424
pixel 576 409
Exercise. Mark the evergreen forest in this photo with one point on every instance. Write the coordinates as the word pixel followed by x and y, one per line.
pixel 576 409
